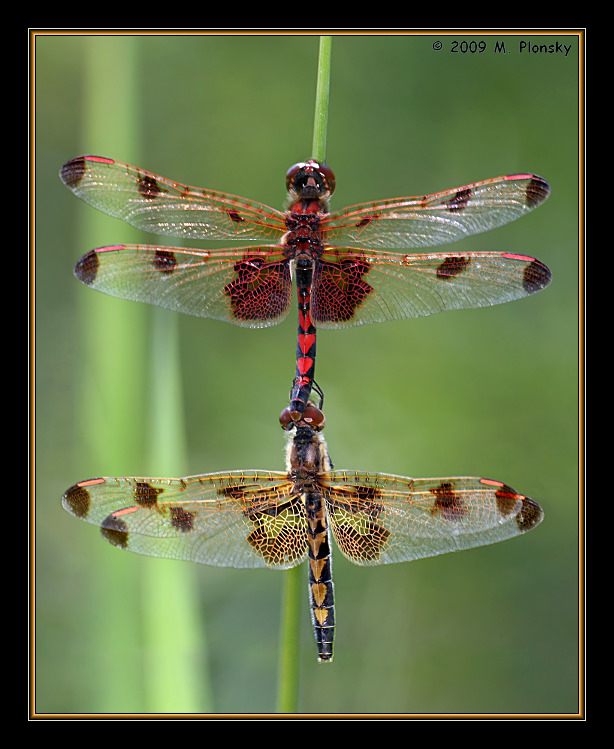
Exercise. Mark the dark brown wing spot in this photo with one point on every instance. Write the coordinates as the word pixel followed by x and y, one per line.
pixel 148 187
pixel 453 266
pixel 145 495
pixel 459 201
pixel 77 499
pixel 260 289
pixel 164 261
pixel 234 492
pixel 356 499
pixel 115 531
pixel 367 495
pixel 530 515
pixel 339 289
pixel 364 222
pixel 86 268
pixel 182 519
pixel 72 172
pixel 256 512
pixel 537 191
pixel 234 216
pixel 447 502
pixel 507 500
pixel 536 277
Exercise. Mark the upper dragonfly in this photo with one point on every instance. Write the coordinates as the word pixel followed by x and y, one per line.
pixel 347 263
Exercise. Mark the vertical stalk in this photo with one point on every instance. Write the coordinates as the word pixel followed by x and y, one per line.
pixel 320 124
pixel 287 698
pixel 150 651
pixel 112 370
pixel 175 648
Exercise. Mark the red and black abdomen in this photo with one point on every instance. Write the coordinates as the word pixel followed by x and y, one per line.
pixel 304 246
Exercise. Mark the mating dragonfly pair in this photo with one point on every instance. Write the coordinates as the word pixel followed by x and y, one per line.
pixel 347 273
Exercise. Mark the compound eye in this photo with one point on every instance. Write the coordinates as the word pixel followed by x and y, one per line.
pixel 314 417
pixel 285 418
pixel 328 176
pixel 292 172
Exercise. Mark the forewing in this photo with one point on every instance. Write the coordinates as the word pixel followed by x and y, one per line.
pixel 382 519
pixel 235 519
pixel 432 220
pixel 161 206
pixel 248 286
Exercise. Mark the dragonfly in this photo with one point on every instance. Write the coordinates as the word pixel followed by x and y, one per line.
pixel 350 265
pixel 280 519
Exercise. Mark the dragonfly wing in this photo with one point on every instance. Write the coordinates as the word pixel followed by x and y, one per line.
pixel 354 287
pixel 382 519
pixel 248 286
pixel 432 220
pixel 161 206
pixel 234 519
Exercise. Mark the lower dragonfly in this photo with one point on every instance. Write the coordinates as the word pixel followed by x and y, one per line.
pixel 278 519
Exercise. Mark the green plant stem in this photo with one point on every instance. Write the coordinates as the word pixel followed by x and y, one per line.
pixel 287 699
pixel 112 360
pixel 173 633
pixel 148 634
pixel 320 124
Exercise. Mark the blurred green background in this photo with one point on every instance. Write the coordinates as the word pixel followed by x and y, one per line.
pixel 490 392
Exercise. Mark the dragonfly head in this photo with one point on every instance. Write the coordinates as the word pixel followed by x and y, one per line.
pixel 310 180
pixel 312 417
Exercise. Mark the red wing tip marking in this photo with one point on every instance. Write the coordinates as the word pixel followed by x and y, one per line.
pixel 110 248
pixel 125 511
pixel 100 159
pixel 90 482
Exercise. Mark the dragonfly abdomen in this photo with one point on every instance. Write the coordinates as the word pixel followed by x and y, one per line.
pixel 306 342
pixel 321 593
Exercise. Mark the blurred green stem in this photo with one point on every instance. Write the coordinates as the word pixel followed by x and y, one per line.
pixel 287 699
pixel 320 124
pixel 112 357
pixel 175 645
pixel 151 655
